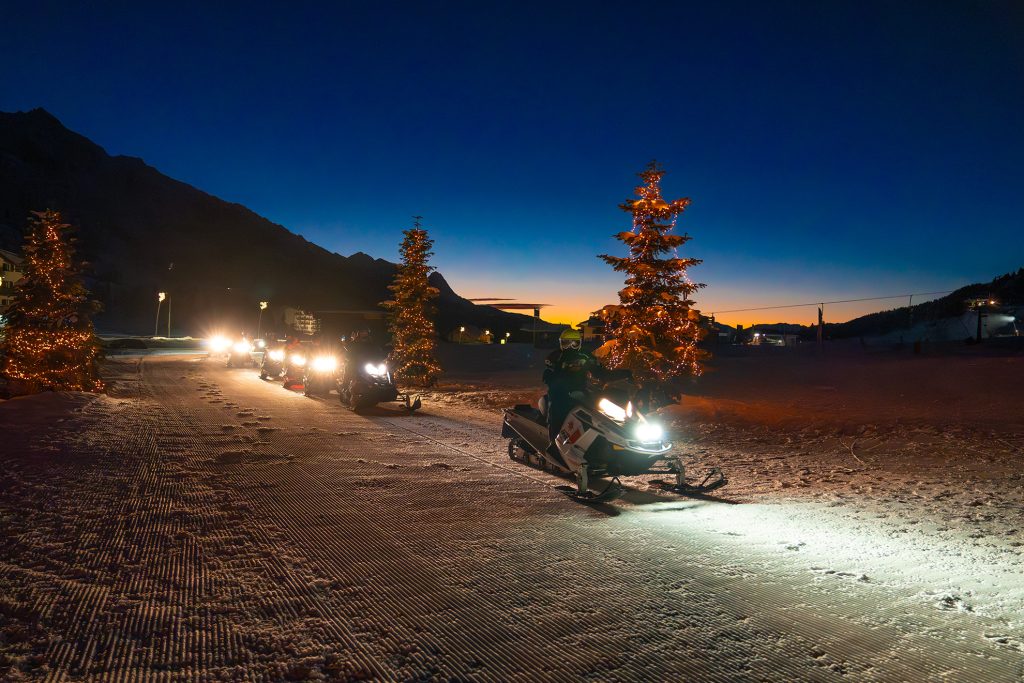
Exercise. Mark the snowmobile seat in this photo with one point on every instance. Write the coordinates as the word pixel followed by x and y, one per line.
pixel 529 412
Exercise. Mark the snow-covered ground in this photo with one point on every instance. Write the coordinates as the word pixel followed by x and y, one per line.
pixel 199 524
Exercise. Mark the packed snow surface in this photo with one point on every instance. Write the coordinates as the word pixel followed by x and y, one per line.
pixel 200 524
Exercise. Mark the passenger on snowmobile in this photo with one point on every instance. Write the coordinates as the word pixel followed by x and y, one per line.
pixel 566 373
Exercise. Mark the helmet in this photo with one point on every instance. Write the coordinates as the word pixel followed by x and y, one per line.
pixel 570 339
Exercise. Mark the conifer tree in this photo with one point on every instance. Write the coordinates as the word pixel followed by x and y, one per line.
pixel 49 342
pixel 654 331
pixel 411 312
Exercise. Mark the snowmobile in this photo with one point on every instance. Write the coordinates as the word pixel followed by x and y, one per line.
pixel 240 354
pixel 603 438
pixel 293 367
pixel 366 386
pixel 320 375
pixel 272 364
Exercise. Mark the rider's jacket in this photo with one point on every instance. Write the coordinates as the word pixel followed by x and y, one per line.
pixel 567 370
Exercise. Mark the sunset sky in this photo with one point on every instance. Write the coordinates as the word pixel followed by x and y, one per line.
pixel 832 150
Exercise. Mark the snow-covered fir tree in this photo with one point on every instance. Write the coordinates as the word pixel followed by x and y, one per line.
pixel 49 342
pixel 411 312
pixel 654 331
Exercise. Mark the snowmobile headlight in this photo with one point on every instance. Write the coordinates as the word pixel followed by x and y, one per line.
pixel 612 410
pixel 376 370
pixel 325 364
pixel 260 344
pixel 242 346
pixel 648 432
pixel 298 359
pixel 277 354
pixel 218 343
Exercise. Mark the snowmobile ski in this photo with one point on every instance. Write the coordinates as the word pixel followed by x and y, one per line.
pixel 713 479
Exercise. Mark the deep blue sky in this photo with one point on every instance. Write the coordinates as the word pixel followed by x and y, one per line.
pixel 831 149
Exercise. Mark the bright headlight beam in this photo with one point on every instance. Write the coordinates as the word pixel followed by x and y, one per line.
pixel 376 370
pixel 218 343
pixel 277 354
pixel 325 363
pixel 612 410
pixel 648 432
pixel 298 360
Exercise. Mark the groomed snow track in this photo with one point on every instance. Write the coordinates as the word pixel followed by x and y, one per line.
pixel 213 526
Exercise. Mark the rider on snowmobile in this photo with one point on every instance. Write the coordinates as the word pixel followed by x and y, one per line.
pixel 358 350
pixel 567 372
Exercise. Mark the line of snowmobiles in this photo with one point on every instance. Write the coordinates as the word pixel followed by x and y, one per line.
pixel 603 438
pixel 360 383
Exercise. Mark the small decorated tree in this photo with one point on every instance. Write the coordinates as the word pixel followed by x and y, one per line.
pixel 411 312
pixel 49 343
pixel 654 331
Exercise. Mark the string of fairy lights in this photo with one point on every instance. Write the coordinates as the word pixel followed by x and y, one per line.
pixel 49 341
pixel 411 324
pixel 654 332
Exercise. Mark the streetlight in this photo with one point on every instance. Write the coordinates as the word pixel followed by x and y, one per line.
pixel 461 330
pixel 259 323
pixel 487 336
pixel 159 301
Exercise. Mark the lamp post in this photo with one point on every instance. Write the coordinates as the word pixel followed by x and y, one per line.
pixel 159 301
pixel 259 322
pixel 461 330
pixel 487 336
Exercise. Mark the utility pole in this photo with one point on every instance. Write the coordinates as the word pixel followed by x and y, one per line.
pixel 168 316
pixel 821 325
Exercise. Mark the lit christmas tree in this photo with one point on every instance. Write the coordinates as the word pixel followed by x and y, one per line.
pixel 654 331
pixel 411 326
pixel 49 342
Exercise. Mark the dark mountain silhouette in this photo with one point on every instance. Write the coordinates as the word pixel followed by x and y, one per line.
pixel 134 222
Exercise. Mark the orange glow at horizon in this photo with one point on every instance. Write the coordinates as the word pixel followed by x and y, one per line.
pixel 571 301
pixel 574 310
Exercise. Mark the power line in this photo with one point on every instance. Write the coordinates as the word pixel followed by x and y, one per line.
pixel 841 301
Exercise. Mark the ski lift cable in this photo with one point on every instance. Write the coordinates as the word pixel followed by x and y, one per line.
pixel 840 301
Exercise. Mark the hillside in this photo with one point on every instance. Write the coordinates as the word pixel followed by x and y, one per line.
pixel 1006 289
pixel 134 222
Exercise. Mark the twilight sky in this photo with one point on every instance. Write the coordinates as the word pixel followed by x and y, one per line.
pixel 832 150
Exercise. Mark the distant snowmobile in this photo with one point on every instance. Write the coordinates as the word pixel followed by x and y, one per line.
pixel 366 386
pixel 320 375
pixel 240 354
pixel 293 367
pixel 602 439
pixel 272 363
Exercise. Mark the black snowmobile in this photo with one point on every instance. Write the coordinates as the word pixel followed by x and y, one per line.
pixel 321 374
pixel 366 381
pixel 272 364
pixel 603 438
